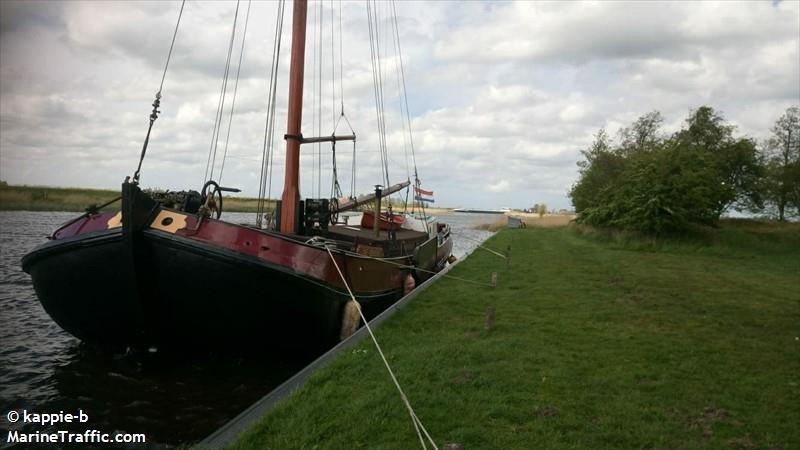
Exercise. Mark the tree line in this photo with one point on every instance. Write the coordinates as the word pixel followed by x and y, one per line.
pixel 646 180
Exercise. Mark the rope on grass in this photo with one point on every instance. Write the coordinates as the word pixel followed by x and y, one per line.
pixel 492 251
pixel 479 242
pixel 418 426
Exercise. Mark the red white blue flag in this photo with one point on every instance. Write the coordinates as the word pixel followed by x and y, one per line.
pixel 423 195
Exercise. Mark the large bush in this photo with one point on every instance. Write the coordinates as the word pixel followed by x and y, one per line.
pixel 659 184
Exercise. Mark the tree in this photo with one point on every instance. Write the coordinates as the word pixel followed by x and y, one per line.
pixel 736 163
pixel 541 209
pixel 642 134
pixel 706 129
pixel 655 184
pixel 598 172
pixel 782 157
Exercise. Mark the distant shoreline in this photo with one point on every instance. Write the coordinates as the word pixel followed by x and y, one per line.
pixel 45 198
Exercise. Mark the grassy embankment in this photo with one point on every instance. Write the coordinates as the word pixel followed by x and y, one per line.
pixel 530 220
pixel 38 198
pixel 599 341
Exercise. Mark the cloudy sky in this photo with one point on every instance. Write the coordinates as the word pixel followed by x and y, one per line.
pixel 502 96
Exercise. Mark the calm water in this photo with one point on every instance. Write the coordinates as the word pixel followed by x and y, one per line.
pixel 171 398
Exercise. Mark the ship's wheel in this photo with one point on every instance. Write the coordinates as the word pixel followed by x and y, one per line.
pixel 208 197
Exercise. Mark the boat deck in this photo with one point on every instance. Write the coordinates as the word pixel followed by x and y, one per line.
pixel 368 234
pixel 365 241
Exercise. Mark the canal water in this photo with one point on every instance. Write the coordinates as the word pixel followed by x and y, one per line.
pixel 173 399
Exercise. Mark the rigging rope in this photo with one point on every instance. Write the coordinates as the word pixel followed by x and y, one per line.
pixel 341 100
pixel 269 125
pixel 377 78
pixel 157 101
pixel 341 64
pixel 319 104
pixel 314 106
pixel 171 46
pixel 405 91
pixel 396 42
pixel 333 69
pixel 235 89
pixel 417 182
pixel 212 151
pixel 418 426
pixel 353 176
pixel 336 190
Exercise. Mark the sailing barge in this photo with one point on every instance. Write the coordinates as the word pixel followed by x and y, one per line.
pixel 165 270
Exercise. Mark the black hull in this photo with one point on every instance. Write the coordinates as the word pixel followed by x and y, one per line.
pixel 185 293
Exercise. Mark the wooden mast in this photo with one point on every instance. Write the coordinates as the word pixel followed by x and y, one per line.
pixel 291 185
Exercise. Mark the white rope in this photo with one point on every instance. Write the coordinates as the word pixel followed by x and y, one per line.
pixel 492 251
pixel 414 419
pixel 479 245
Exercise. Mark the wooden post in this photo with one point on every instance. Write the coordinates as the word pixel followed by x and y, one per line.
pixel 291 185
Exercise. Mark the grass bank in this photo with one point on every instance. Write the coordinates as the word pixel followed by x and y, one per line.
pixel 597 342
pixel 530 220
pixel 41 198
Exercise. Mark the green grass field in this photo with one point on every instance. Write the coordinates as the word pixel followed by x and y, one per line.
pixel 600 341
pixel 40 198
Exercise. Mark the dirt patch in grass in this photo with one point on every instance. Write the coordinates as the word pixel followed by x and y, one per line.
pixel 708 419
pixel 463 377
pixel 546 412
pixel 743 443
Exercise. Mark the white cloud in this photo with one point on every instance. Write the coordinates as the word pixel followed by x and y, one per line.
pixel 503 95
pixel 500 186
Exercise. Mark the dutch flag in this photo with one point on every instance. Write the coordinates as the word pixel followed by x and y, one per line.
pixel 423 195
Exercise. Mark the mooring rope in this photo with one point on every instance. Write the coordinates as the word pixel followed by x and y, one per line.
pixel 414 419
pixel 477 241
pixel 492 251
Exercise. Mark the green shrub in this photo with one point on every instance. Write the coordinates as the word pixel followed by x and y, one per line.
pixel 662 185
